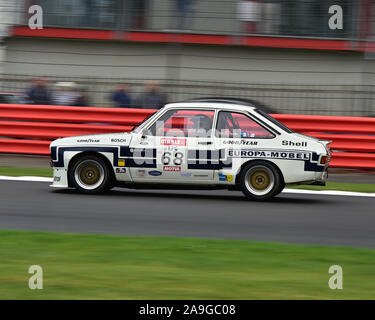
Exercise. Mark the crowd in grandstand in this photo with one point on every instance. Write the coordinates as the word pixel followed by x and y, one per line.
pixel 72 94
pixel 284 17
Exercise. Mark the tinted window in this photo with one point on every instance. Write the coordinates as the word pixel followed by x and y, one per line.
pixel 193 123
pixel 238 125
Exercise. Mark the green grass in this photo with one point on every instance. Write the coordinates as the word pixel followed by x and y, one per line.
pixel 17 172
pixel 114 267
pixel 340 186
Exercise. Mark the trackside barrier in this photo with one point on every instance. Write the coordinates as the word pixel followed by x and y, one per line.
pixel 29 129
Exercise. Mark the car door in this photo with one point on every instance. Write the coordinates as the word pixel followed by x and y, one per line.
pixel 236 132
pixel 162 150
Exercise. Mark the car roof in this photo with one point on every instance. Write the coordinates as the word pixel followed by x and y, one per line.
pixel 214 104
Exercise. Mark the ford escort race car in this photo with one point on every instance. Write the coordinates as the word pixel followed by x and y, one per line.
pixel 201 144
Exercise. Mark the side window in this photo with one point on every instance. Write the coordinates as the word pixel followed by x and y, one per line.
pixel 238 125
pixel 184 123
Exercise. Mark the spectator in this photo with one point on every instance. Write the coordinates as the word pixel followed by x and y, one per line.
pixel 152 98
pixel 250 13
pixel 270 16
pixel 90 17
pixel 185 11
pixel 38 93
pixel 121 96
pixel 138 8
pixel 65 95
pixel 82 97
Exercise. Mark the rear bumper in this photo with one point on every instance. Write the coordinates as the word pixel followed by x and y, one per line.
pixel 321 178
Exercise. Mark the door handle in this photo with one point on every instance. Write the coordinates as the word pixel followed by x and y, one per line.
pixel 205 142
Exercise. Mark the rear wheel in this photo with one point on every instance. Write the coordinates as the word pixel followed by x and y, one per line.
pixel 260 180
pixel 90 174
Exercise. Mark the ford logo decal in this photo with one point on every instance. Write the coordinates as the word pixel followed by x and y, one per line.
pixel 155 173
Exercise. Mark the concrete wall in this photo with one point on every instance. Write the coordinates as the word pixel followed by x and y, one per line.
pixel 304 81
pixel 194 62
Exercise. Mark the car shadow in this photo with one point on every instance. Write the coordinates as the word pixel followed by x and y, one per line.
pixel 282 198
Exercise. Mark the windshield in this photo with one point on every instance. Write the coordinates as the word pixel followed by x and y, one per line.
pixel 274 121
pixel 138 128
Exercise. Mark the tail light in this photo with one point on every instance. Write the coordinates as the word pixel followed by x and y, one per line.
pixel 323 159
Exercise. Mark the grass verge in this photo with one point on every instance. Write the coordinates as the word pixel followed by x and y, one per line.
pixel 340 186
pixel 18 172
pixel 78 266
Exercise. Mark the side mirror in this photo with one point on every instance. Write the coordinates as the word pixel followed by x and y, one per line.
pixel 144 134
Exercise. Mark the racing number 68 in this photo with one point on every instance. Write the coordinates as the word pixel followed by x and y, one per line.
pixel 178 157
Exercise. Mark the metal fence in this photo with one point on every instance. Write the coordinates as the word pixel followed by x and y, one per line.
pixel 293 99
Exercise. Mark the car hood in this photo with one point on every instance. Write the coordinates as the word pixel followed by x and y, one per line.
pixel 94 140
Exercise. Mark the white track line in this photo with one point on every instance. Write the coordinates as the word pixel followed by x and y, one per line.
pixel 330 192
pixel 323 192
pixel 26 178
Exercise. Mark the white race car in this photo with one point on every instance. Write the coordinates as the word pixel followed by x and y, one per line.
pixel 201 144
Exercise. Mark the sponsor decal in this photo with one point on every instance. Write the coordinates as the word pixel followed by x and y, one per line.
pixel 121 162
pixel 172 142
pixel 186 174
pixel 294 144
pixel 225 177
pixel 120 170
pixel 56 179
pixel 241 142
pixel 118 140
pixel 269 154
pixel 155 173
pixel 171 148
pixel 201 175
pixel 172 168
pixel 88 140
pixel 141 173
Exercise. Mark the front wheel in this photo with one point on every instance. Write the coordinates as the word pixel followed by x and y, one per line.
pixel 90 174
pixel 260 180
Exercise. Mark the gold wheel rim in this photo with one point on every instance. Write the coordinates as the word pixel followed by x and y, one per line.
pixel 89 175
pixel 260 180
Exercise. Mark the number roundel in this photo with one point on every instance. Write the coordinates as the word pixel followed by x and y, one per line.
pixel 177 158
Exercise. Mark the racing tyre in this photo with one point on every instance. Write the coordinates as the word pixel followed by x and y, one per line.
pixel 260 181
pixel 90 174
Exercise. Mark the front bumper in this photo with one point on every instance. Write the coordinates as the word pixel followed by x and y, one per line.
pixel 60 178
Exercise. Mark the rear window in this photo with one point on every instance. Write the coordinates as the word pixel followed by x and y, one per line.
pixel 274 121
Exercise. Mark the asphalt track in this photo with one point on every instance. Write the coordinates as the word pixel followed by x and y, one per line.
pixel 289 218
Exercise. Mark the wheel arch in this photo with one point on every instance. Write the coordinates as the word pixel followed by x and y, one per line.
pixel 259 160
